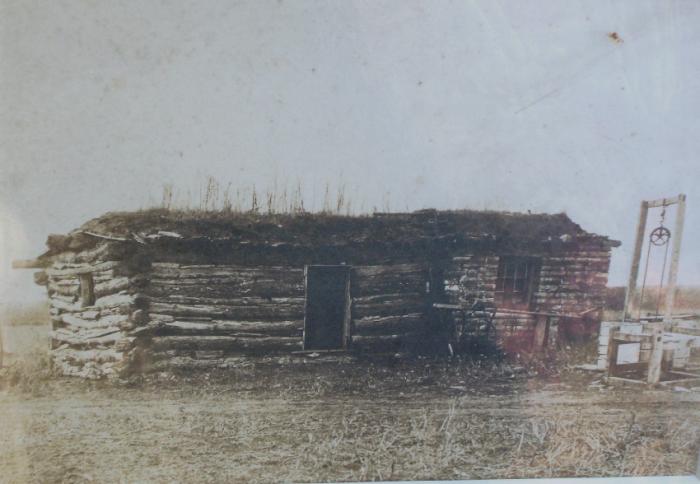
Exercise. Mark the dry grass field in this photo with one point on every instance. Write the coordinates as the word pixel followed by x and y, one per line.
pixel 325 421
pixel 305 420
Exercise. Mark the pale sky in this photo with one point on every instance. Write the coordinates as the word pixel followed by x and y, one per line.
pixel 505 105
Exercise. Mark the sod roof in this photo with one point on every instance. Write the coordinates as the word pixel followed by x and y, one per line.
pixel 310 230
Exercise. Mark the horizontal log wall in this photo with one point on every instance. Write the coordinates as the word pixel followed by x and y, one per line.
pixel 210 312
pixel 93 338
pixel 389 306
pixel 472 278
pixel 570 283
pixel 469 278
pixel 215 311
pixel 574 282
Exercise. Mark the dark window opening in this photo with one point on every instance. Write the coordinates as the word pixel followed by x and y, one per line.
pixel 87 290
pixel 516 281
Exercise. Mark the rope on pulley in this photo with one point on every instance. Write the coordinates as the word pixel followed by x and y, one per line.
pixel 658 237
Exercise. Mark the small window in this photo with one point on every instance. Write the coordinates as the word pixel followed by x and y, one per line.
pixel 87 290
pixel 516 280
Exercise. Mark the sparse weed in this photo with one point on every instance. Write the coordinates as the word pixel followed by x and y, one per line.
pixel 28 374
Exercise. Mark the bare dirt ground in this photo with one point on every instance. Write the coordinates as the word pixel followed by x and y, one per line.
pixel 330 421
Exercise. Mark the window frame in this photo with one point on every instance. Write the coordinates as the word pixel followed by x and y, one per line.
pixel 514 289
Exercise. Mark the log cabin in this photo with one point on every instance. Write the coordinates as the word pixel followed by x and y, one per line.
pixel 156 288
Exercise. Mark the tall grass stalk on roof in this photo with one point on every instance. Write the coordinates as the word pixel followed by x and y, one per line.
pixel 276 200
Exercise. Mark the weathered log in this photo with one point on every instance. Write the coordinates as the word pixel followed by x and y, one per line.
pixel 113 300
pixel 87 338
pixel 384 343
pixel 63 306
pixel 145 329
pixel 83 269
pixel 230 344
pixel 266 311
pixel 66 368
pixel 213 271
pixel 122 302
pixel 29 264
pixel 389 284
pixel 232 279
pixel 163 361
pixel 237 301
pixel 90 369
pixel 103 322
pixel 59 307
pixel 580 257
pixel 105 236
pixel 112 286
pixel 102 251
pixel 97 277
pixel 83 356
pixel 71 290
pixel 388 275
pixel 378 270
pixel 72 281
pixel 209 355
pixel 88 333
pixel 388 304
pixel 390 298
pixel 158 317
pixel 409 323
pixel 259 328
pixel 464 258
pixel 226 287
pixel 63 299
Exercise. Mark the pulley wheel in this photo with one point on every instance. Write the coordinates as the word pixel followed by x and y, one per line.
pixel 660 236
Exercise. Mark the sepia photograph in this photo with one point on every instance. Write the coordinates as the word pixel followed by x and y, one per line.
pixel 349 241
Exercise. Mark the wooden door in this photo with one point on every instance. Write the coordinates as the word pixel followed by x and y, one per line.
pixel 327 307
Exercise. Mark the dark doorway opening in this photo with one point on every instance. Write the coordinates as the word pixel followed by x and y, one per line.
pixel 326 320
